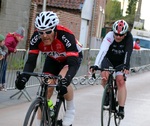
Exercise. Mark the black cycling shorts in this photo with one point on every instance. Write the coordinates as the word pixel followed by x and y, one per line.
pixel 106 63
pixel 54 67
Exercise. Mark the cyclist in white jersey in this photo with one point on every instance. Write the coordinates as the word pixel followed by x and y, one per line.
pixel 116 50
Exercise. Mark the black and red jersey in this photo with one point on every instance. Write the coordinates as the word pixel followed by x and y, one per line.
pixel 65 49
pixel 63 46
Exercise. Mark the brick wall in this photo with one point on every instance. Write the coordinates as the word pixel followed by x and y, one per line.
pixel 33 10
pixel 71 21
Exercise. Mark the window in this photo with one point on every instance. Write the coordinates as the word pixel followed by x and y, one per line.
pixel 144 42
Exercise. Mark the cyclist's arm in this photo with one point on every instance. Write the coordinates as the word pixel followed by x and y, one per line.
pixel 107 41
pixel 72 53
pixel 33 54
pixel 73 67
pixel 30 63
pixel 128 50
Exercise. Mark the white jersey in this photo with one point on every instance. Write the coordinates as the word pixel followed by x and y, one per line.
pixel 116 52
pixel 107 41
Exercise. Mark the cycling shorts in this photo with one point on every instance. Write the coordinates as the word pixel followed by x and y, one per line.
pixel 54 67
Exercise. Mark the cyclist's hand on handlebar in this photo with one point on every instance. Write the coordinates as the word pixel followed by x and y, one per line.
pixel 93 68
pixel 20 82
pixel 126 71
pixel 63 83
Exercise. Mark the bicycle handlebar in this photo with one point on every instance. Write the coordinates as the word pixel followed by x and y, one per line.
pixel 111 70
pixel 107 69
pixel 45 77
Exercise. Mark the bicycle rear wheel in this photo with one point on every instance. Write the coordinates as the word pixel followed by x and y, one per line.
pixel 32 115
pixel 106 111
pixel 60 109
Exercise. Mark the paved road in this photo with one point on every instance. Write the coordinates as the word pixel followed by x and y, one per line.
pixel 88 101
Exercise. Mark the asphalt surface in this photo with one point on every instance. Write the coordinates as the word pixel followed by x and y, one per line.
pixel 88 103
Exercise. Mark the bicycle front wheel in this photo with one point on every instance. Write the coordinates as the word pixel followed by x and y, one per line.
pixel 36 115
pixel 106 109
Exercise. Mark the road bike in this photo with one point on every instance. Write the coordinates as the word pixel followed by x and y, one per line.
pixel 110 89
pixel 40 104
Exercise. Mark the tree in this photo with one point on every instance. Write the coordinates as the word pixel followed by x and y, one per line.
pixel 131 10
pixel 113 10
pixel 131 7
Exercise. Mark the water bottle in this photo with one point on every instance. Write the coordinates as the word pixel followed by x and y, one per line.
pixel 51 107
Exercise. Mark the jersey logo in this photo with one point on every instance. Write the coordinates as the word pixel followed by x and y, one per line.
pixel 108 39
pixel 34 40
pixel 67 42
pixel 56 54
pixel 118 52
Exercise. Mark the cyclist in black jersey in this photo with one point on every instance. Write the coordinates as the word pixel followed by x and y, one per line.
pixel 64 57
pixel 116 50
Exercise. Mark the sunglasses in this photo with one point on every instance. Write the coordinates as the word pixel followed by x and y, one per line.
pixel 116 34
pixel 46 32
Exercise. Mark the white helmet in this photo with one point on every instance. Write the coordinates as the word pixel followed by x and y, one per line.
pixel 46 20
pixel 120 27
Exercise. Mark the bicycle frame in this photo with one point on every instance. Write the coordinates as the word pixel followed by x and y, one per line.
pixel 43 97
pixel 41 103
pixel 111 89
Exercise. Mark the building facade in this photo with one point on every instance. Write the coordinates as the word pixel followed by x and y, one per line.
pixel 84 17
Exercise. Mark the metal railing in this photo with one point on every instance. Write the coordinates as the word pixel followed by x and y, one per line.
pixel 140 60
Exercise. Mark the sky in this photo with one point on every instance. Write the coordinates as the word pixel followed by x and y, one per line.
pixel 145 10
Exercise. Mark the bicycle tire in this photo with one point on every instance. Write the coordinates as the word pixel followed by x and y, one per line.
pixel 60 109
pixel 91 81
pixel 106 112
pixel 83 81
pixel 117 119
pixel 31 116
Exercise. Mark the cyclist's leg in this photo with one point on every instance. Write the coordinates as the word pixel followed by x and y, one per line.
pixel 70 112
pixel 51 67
pixel 104 74
pixel 122 91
